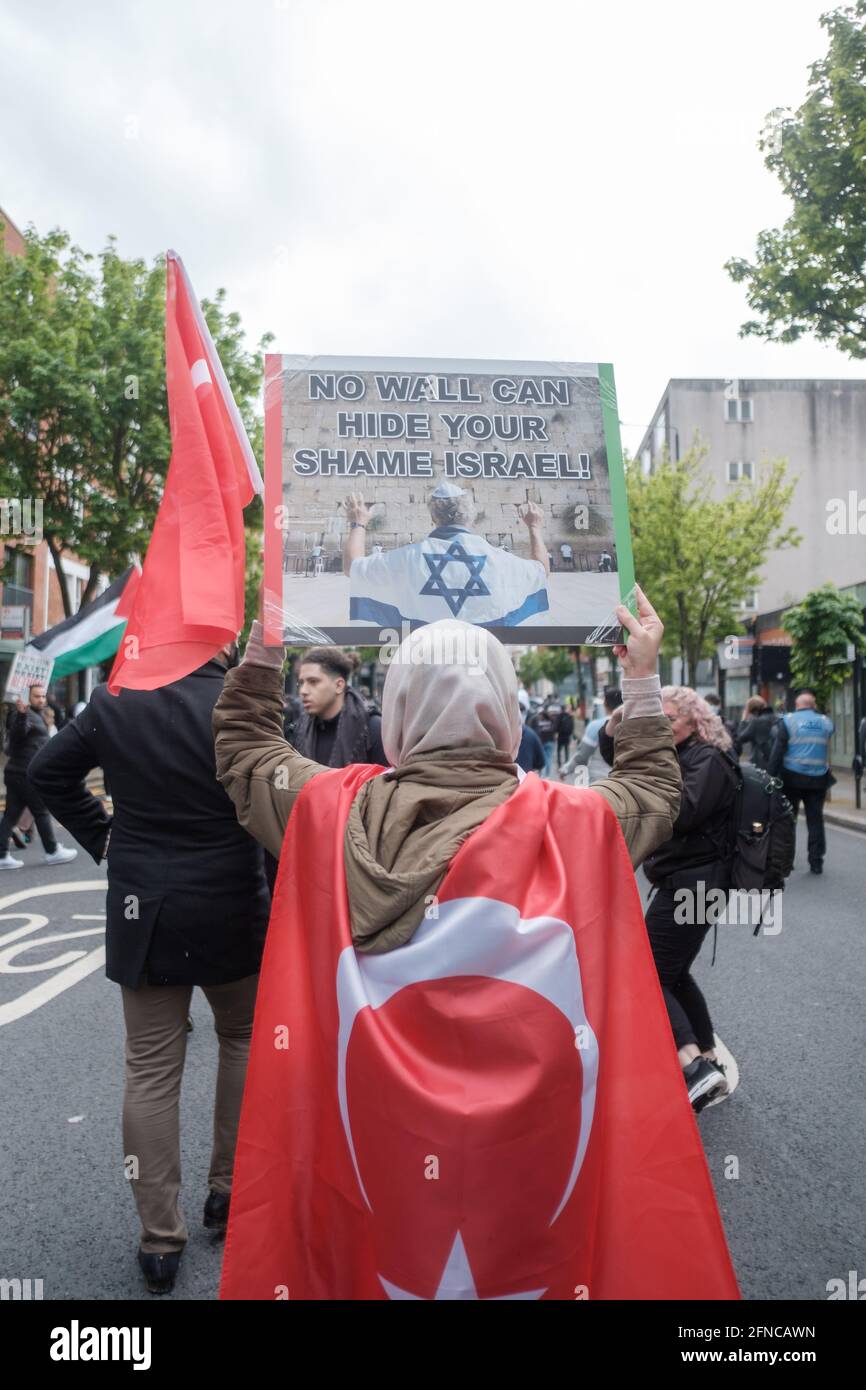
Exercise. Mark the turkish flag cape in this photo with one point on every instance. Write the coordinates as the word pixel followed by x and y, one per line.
pixel 190 599
pixel 493 1111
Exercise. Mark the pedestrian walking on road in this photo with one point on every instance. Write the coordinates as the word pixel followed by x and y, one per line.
pixel 758 727
pixel 594 752
pixel 187 905
pixel 563 736
pixel 546 725
pixel 801 757
pixel 28 732
pixel 530 754
pixel 695 854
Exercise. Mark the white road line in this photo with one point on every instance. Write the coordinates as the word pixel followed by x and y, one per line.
pixel 40 994
pixel 71 974
pixel 82 885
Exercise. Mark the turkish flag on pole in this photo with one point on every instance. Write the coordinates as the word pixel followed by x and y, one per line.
pixel 190 599
pixel 495 1110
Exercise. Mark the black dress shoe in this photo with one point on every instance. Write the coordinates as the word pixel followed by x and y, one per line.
pixel 816 868
pixel 160 1271
pixel 216 1210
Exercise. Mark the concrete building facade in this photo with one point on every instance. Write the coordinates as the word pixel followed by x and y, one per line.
pixel 819 427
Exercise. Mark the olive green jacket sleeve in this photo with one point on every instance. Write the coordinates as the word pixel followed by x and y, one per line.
pixel 259 769
pixel 645 784
pixel 263 774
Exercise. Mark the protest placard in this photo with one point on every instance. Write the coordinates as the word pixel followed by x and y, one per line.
pixel 400 491
pixel 28 668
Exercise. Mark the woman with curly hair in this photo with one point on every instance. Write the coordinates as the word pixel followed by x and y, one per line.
pixel 695 854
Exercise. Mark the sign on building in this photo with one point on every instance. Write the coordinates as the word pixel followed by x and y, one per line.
pixel 15 621
pixel 403 491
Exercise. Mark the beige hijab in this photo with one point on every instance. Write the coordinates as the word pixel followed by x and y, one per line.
pixel 450 685
pixel 451 728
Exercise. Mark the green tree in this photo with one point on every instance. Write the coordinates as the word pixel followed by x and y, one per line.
pixel 809 275
pixel 696 556
pixel 556 663
pixel 83 409
pixel 530 667
pixel 823 626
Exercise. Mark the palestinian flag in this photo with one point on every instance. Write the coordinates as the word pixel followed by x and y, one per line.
pixel 91 636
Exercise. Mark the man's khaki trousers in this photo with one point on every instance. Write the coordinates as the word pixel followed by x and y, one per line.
pixel 155 1050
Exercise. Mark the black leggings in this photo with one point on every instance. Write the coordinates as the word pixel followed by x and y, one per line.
pixel 19 793
pixel 675 949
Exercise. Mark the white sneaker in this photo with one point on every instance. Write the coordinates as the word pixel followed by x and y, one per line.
pixel 7 862
pixel 61 855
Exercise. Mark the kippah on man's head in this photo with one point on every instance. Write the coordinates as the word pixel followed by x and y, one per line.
pixel 448 490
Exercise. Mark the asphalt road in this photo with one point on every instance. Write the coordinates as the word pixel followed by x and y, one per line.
pixel 790 1007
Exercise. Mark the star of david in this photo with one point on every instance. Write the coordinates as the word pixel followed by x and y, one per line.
pixel 474 586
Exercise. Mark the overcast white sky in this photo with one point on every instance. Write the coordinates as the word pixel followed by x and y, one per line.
pixel 456 178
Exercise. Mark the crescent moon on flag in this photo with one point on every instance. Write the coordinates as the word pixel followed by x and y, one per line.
pixel 474 936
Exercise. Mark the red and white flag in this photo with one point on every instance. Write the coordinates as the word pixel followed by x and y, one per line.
pixel 190 600
pixel 493 1111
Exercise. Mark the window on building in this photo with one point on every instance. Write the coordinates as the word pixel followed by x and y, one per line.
pixel 741 471
pixel 741 410
pixel 750 603
pixel 18 586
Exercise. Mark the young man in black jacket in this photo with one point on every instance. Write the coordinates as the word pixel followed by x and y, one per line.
pixel 187 905
pixel 336 727
pixel 28 732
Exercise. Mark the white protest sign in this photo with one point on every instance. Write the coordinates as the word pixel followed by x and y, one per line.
pixel 29 667
pixel 401 491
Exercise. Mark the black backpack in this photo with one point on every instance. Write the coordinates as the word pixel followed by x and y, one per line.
pixel 761 831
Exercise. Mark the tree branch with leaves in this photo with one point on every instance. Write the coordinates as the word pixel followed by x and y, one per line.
pixel 823 627
pixel 809 276
pixel 83 408
pixel 699 555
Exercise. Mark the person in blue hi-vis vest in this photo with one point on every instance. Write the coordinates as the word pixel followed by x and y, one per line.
pixel 801 757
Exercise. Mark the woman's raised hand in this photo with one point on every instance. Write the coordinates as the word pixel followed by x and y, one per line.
pixel 640 656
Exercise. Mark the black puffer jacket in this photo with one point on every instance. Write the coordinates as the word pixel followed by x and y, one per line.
pixel 27 734
pixel 699 837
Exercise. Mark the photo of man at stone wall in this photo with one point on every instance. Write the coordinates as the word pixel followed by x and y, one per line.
pixel 453 572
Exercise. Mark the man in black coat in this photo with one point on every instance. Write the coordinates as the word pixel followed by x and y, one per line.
pixel 187 905
pixel 758 727
pixel 28 732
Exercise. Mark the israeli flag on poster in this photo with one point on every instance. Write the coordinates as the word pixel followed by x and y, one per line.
pixel 451 573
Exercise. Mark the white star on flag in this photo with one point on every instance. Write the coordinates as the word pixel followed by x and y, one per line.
pixel 457 1282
